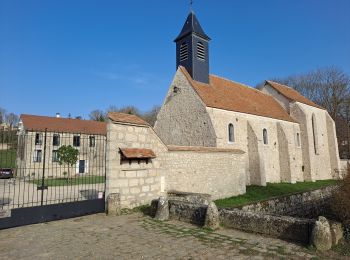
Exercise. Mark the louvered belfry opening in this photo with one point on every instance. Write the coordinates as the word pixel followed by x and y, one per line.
pixel 200 51
pixel 184 51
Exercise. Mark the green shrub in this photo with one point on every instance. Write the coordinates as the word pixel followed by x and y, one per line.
pixel 341 204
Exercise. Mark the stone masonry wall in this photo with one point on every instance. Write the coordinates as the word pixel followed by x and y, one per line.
pixel 263 160
pixel 325 152
pixel 326 140
pixel 333 147
pixel 282 100
pixel 183 119
pixel 307 204
pixel 137 183
pixel 220 174
pixel 300 116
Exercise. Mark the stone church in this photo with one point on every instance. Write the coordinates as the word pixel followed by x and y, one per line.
pixel 216 136
pixel 286 137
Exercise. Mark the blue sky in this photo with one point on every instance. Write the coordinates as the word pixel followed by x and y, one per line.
pixel 76 56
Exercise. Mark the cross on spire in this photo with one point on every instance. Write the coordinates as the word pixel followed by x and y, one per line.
pixel 191 5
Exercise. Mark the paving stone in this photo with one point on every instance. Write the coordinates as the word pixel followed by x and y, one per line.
pixel 136 237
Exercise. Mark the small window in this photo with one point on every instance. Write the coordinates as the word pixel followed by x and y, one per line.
pixel 38 139
pixel 298 140
pixel 265 137
pixel 56 140
pixel 55 156
pixel 200 51
pixel 231 133
pixel 37 156
pixel 76 140
pixel 92 141
pixel 183 51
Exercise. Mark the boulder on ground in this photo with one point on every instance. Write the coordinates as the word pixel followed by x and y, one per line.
pixel 321 236
pixel 162 212
pixel 113 204
pixel 212 217
pixel 337 232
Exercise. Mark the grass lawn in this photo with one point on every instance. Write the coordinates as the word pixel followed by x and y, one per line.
pixel 8 158
pixel 74 181
pixel 258 193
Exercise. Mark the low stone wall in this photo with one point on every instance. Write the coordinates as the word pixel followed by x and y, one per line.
pixel 263 217
pixel 185 206
pixel 309 204
pixel 218 172
pixel 192 208
pixel 187 212
pixel 283 227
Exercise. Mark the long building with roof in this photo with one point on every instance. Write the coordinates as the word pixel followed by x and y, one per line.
pixel 286 137
pixel 40 138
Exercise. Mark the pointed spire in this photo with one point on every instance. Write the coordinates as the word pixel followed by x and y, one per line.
pixel 192 26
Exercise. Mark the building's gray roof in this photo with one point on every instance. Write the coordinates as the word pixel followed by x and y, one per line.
pixel 192 26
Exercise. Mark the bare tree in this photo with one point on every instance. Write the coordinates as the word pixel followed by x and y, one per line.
pixel 151 116
pixel 328 87
pixel 97 115
pixel 132 110
pixel 2 115
pixel 112 108
pixel 335 92
pixel 11 119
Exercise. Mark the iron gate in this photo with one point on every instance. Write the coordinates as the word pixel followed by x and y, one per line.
pixel 47 176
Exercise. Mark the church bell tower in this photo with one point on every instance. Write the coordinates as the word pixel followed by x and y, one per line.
pixel 192 49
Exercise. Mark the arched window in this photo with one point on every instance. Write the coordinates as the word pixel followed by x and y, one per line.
pixel 298 140
pixel 200 51
pixel 231 133
pixel 183 51
pixel 265 138
pixel 314 132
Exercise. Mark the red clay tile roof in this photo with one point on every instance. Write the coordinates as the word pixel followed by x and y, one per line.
pixel 228 95
pixel 68 125
pixel 137 153
pixel 126 118
pixel 203 149
pixel 291 94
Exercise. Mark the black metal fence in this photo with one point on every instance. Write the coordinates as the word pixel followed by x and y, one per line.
pixel 41 168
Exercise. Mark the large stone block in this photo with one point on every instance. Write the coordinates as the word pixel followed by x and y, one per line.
pixel 113 204
pixel 212 220
pixel 281 227
pixel 133 182
pixel 130 137
pixel 162 212
pixel 321 236
pixel 337 232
